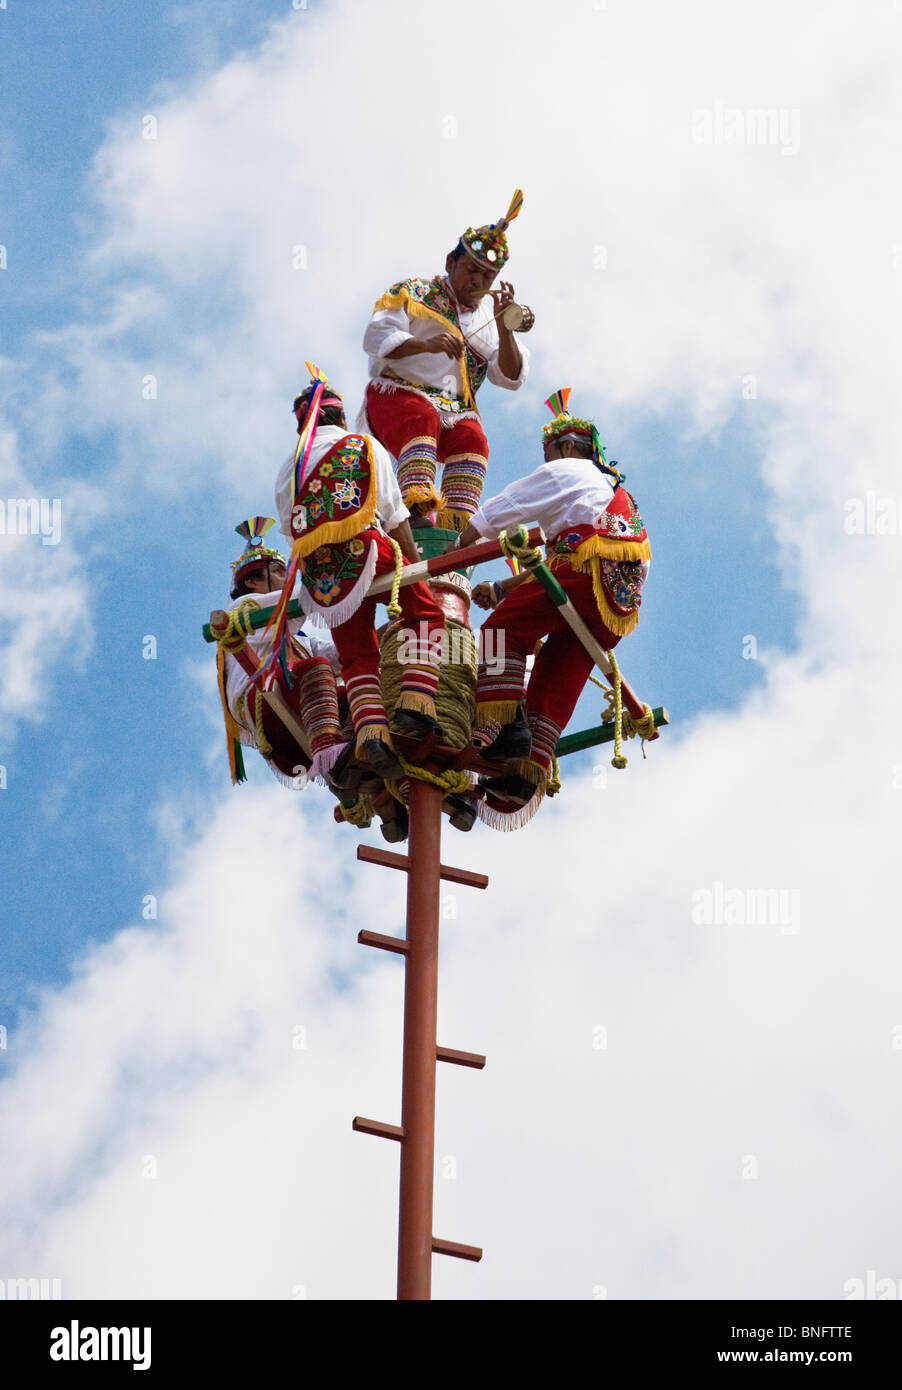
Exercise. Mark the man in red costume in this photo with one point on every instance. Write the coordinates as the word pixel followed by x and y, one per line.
pixel 431 344
pixel 340 504
pixel 306 682
pixel 599 555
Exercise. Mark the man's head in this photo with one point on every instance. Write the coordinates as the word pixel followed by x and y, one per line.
pixel 568 446
pixel 257 565
pixel 569 436
pixel 266 578
pixel 332 413
pixel 479 255
pixel 469 279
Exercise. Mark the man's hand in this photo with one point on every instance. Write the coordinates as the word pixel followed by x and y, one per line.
pixel 468 536
pixel 484 595
pixel 447 343
pixel 441 342
pixel 509 359
pixel 502 296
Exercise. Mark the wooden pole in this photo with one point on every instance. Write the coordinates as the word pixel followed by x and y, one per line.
pixel 420 1043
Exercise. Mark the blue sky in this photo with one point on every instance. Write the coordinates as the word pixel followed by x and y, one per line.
pixel 172 257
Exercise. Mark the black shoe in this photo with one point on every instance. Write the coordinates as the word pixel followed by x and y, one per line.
pixel 396 830
pixel 461 811
pixel 379 758
pixel 517 789
pixel 514 741
pixel 411 721
pixel 345 775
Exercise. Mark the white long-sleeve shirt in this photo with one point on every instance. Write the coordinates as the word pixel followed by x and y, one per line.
pixel 390 508
pixel 314 642
pixel 566 493
pixel 389 328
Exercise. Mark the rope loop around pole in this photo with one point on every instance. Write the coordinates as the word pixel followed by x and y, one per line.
pixel 528 555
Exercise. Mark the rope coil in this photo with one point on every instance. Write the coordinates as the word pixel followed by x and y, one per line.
pixel 238 628
pixel 528 555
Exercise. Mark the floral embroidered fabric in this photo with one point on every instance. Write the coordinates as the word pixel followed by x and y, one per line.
pixel 334 491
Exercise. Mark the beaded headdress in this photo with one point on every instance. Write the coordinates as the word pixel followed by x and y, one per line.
pixel 255 553
pixel 565 424
pixel 488 245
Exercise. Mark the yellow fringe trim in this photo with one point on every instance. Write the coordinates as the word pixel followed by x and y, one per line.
pixel 526 768
pixel 416 701
pixel 608 549
pixel 449 519
pixel 421 496
pixel 370 732
pixel 334 532
pixel 417 310
pixel 495 712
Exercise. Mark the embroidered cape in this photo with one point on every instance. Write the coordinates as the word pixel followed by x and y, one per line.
pixel 335 506
pixel 613 551
pixel 429 299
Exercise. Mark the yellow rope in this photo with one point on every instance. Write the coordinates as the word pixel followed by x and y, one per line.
pixel 527 554
pixel 618 760
pixel 263 744
pixel 554 781
pixel 238 629
pixel 451 781
pixel 644 727
pixel 360 812
pixel 455 698
pixel 394 607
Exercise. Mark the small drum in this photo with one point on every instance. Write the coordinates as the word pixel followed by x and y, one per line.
pixel 519 318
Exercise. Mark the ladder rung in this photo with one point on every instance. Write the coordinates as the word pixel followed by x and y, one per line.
pixel 463 1059
pixel 385 943
pixel 371 855
pixel 450 1247
pixel 382 1131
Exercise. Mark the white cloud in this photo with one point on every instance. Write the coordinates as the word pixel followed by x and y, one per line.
pixel 43 587
pixel 725 1046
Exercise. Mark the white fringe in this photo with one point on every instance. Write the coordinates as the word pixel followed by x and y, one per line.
pixel 334 617
pixel 324 762
pixel 511 820
pixel 295 784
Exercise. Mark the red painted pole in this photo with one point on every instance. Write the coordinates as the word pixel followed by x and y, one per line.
pixel 420 1021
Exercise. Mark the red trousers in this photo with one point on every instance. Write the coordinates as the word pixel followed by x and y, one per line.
pixel 410 427
pixel 358 646
pixel 561 669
